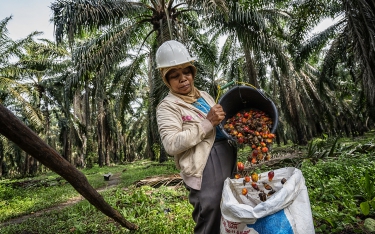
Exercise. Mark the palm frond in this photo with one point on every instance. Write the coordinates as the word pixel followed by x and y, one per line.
pixel 315 43
pixel 71 17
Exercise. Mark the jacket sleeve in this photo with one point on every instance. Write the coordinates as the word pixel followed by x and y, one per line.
pixel 175 138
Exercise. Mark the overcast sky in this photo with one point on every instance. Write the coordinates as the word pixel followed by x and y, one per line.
pixel 28 16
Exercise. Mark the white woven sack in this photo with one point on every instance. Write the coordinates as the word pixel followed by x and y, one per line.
pixel 287 211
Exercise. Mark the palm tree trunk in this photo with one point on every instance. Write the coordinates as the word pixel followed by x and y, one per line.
pixel 24 171
pixel 150 113
pixel 34 166
pixel 15 130
pixel 250 68
pixel 1 158
pixel 87 146
pixel 107 135
pixel 65 142
pixel 101 140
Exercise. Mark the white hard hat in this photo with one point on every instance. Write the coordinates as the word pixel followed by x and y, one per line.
pixel 172 53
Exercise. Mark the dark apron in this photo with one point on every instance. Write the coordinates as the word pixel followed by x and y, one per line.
pixel 221 164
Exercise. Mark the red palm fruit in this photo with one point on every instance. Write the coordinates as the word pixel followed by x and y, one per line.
pixel 255 153
pixel 240 140
pixel 253 146
pixel 247 179
pixel 264 149
pixel 255 186
pixel 237 176
pixel 244 191
pixel 254 160
pixel 240 166
pixel 246 115
pixel 271 174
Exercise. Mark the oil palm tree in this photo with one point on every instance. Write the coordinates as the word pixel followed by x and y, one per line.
pixel 14 95
pixel 127 32
pixel 348 49
pixel 256 52
pixel 11 88
pixel 263 32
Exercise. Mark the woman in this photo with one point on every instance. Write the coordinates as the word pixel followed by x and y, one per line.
pixel 188 122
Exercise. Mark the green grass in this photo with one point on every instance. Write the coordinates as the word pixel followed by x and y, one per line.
pixel 162 210
pixel 16 201
pixel 335 185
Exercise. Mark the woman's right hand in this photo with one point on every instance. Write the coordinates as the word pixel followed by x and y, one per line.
pixel 216 115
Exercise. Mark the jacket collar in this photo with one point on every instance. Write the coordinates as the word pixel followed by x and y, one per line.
pixel 173 98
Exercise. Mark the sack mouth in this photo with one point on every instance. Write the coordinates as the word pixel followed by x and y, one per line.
pixel 244 98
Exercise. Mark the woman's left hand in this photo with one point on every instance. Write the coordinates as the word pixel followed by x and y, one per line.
pixel 216 115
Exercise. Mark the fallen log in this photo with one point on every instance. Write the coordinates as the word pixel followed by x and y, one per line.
pixel 161 180
pixel 15 130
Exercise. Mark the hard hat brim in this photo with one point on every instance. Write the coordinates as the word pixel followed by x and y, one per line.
pixel 176 64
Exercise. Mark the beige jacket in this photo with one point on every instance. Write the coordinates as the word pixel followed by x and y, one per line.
pixel 187 135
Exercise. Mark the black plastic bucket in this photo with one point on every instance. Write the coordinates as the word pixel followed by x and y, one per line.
pixel 245 98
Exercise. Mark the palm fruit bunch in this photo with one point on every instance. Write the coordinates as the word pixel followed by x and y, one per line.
pixel 252 128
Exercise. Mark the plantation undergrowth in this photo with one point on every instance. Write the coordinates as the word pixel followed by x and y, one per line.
pixel 334 172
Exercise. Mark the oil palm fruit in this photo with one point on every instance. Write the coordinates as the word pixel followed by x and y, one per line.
pixel 240 166
pixel 244 191
pixel 267 186
pixel 271 174
pixel 254 177
pixel 262 196
pixel 251 127
pixel 283 181
pixel 271 192
pixel 255 186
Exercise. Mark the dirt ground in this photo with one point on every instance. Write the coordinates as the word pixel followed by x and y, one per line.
pixel 113 181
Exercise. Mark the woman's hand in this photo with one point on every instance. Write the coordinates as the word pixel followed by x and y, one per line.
pixel 216 115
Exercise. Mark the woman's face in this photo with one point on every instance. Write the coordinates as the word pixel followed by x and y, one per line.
pixel 181 80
